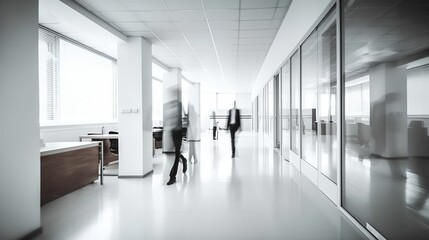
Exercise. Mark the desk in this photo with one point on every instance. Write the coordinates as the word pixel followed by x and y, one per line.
pixel 65 167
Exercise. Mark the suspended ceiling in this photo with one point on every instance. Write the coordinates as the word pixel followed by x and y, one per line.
pixel 222 43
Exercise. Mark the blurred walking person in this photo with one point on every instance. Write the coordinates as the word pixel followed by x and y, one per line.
pixel 174 123
pixel 233 124
pixel 214 126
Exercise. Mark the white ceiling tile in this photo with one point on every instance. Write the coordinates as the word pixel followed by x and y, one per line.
pixel 221 44
pixel 257 14
pixel 276 23
pixel 258 3
pixel 225 34
pixel 284 3
pixel 256 47
pixel 183 5
pixel 201 35
pixel 164 35
pixel 262 33
pixel 279 13
pixel 255 24
pixel 224 25
pixel 107 5
pixel 193 25
pixel 221 4
pixel 222 15
pixel 120 16
pixel 179 41
pixel 227 50
pixel 252 53
pixel 146 5
pixel 155 16
pixel 255 41
pixel 162 26
pixel 132 26
pixel 188 15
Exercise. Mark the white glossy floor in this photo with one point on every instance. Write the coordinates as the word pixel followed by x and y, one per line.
pixel 254 196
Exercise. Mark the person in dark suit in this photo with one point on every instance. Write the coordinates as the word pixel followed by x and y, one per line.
pixel 174 124
pixel 233 124
pixel 177 135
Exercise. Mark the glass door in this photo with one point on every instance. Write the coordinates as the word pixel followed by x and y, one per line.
pixel 309 105
pixel 327 115
pixel 277 103
pixel 285 110
pixel 296 109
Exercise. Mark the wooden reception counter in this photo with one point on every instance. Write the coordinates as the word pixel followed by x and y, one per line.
pixel 67 166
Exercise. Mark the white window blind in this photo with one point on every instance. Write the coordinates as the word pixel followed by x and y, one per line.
pixel 48 75
pixel 77 85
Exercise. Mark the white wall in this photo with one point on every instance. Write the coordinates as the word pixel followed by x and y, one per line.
pixel 300 17
pixel 19 121
pixel 135 92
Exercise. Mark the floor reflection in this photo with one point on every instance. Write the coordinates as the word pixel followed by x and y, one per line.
pixel 392 193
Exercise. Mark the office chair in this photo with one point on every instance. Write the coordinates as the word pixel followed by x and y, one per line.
pixel 114 145
pixel 108 156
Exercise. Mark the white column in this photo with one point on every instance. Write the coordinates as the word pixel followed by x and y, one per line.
pixel 194 126
pixel 172 92
pixel 388 114
pixel 135 107
pixel 19 120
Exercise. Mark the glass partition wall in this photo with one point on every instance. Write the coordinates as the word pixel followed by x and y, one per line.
pixel 373 120
pixel 386 162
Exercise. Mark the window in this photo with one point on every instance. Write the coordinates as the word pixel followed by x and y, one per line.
pixel 157 95
pixel 77 85
pixel 157 100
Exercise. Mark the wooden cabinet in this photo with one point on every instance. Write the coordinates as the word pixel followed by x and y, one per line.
pixel 65 169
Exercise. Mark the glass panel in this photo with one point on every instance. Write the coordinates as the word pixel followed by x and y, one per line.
pixel 327 97
pixel 260 112
pixel 386 178
pixel 270 108
pixel 277 111
pixel 309 100
pixel 266 122
pixel 295 102
pixel 286 109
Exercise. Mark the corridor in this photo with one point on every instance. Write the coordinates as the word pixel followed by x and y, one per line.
pixel 254 196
